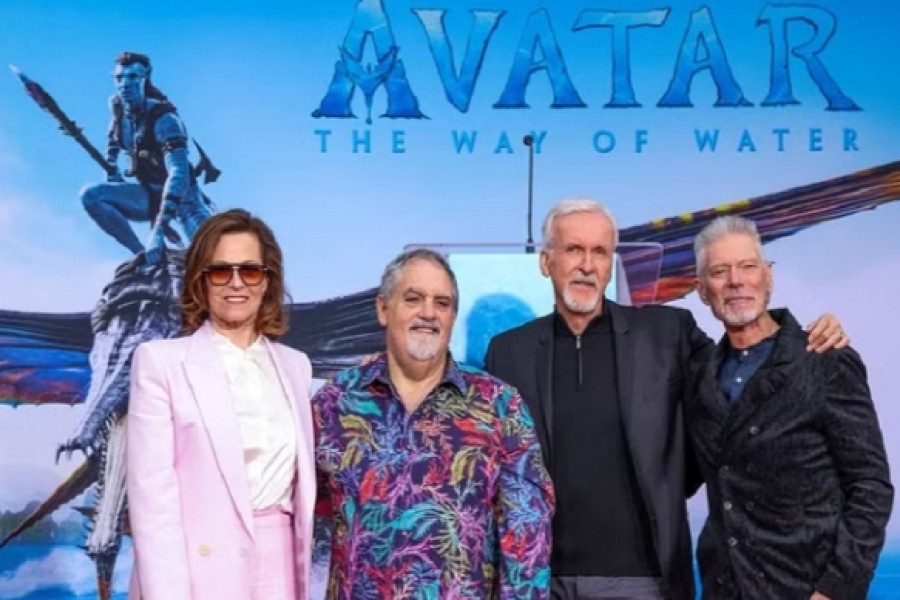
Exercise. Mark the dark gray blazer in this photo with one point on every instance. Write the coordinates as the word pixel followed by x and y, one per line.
pixel 796 476
pixel 654 347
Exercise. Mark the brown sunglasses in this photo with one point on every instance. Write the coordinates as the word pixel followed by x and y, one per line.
pixel 222 273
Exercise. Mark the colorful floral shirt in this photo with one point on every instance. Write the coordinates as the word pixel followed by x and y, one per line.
pixel 449 501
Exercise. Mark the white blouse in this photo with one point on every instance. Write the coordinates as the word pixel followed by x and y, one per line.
pixel 265 420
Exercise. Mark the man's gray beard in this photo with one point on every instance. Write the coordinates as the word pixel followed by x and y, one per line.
pixel 423 348
pixel 741 318
pixel 582 308
pixel 745 317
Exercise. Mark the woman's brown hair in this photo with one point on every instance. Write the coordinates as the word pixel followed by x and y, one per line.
pixel 272 320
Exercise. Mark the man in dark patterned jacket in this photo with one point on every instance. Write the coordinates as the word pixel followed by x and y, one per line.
pixel 788 442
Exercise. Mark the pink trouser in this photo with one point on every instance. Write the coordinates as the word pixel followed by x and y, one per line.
pixel 275 568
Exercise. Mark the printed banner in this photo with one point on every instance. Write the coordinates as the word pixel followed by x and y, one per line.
pixel 359 128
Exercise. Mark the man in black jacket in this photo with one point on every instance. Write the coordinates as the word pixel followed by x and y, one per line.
pixel 604 384
pixel 788 441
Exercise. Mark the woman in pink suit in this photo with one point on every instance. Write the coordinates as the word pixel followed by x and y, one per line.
pixel 221 478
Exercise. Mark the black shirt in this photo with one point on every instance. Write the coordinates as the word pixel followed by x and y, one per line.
pixel 601 525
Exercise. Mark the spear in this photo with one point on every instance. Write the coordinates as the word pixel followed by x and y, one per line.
pixel 67 125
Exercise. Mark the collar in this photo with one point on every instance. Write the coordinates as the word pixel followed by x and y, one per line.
pixel 257 350
pixel 377 371
pixel 763 346
pixel 789 340
pixel 600 323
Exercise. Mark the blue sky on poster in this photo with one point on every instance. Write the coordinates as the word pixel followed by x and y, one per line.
pixel 247 76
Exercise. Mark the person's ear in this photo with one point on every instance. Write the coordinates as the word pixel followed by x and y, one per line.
pixel 381 310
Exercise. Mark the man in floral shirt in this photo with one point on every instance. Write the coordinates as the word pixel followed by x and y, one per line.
pixel 434 472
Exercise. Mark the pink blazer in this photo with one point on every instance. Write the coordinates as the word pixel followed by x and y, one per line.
pixel 188 497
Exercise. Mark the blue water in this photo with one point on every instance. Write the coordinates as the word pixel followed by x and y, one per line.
pixel 46 577
pixel 886 585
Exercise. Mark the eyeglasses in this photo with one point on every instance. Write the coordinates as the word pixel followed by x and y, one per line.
pixel 222 273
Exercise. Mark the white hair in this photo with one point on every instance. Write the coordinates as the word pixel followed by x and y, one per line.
pixel 568 206
pixel 719 228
